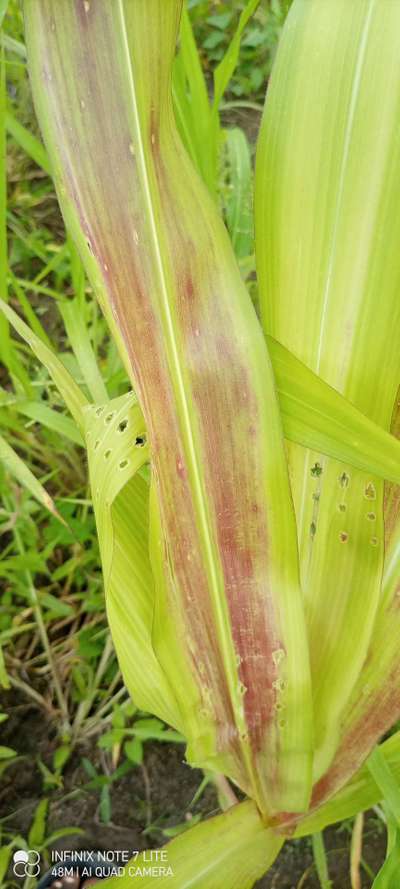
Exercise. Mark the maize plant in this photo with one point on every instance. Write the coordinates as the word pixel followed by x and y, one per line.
pixel 246 489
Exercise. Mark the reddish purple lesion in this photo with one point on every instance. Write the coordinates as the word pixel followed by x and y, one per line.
pixel 154 129
pixel 84 10
pixel 180 466
pixel 243 549
pixel 391 501
pixel 188 287
pixel 394 605
pixel 376 714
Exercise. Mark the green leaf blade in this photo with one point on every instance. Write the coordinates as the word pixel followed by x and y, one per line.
pixel 233 849
pixel 328 267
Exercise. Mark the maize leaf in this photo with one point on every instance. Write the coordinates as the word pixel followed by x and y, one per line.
pixel 327 234
pixel 200 368
pixel 117 448
pixel 233 849
pixel 317 416
pixel 374 704
pixel 386 781
pixel 192 106
pixel 388 877
pixel 167 631
pixel 313 415
pixel 360 793
pixel 392 519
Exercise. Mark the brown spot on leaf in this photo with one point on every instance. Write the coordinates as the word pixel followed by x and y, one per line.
pixel 180 468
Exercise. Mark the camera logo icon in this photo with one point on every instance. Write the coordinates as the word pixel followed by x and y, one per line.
pixel 26 863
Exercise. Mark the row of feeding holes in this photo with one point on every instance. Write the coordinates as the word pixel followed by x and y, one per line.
pixel 140 440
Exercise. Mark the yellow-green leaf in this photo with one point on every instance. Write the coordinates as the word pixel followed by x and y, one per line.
pixel 327 235
pixel 234 849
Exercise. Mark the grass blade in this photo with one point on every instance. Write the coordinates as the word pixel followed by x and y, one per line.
pixel 4 331
pixel 3 10
pixel 25 477
pixel 70 391
pixel 78 337
pixel 28 142
pixel 356 851
pixel 51 419
pixel 239 214
pixel 227 65
pixel 320 860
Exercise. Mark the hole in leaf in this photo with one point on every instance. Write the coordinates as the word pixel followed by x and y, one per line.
pixel 123 425
pixel 316 470
pixel 280 684
pixel 344 480
pixel 109 417
pixel 107 453
pixel 278 656
pixel 140 441
pixel 123 464
pixel 99 411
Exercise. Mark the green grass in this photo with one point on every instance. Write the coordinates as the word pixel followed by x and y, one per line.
pixel 215 24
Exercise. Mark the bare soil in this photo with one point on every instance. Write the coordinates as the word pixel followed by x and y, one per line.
pixel 145 799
